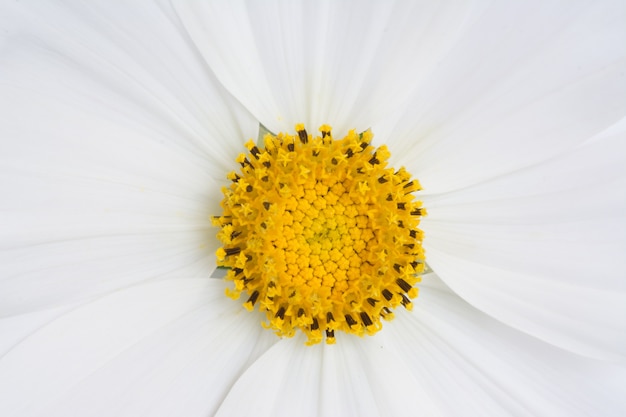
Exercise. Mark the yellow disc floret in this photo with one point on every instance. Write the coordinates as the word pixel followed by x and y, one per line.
pixel 320 234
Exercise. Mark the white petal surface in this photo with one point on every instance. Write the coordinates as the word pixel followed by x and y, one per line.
pixel 476 365
pixel 16 328
pixel 166 348
pixel 526 81
pixel 349 64
pixel 542 249
pixel 355 377
pixel 114 141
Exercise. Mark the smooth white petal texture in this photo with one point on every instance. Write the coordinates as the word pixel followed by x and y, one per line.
pixel 114 143
pixel 615 129
pixel 526 81
pixel 349 64
pixel 355 377
pixel 542 249
pixel 14 329
pixel 172 347
pixel 475 365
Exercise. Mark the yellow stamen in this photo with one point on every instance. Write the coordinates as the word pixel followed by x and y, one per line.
pixel 320 234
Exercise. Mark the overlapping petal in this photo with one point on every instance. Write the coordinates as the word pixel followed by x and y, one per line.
pixel 114 142
pixel 356 377
pixel 542 248
pixel 348 64
pixel 167 347
pixel 476 365
pixel 527 81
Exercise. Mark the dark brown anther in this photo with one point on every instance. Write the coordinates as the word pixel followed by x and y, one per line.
pixel 267 164
pixel 330 333
pixel 410 245
pixel 385 312
pixel 403 284
pixel 249 188
pixel 291 147
pixel 364 145
pixel 405 300
pixel 265 178
pixel 315 325
pixel 266 205
pixel 253 297
pixel 280 313
pixel 255 152
pixel 367 321
pixel 237 178
pixel 301 312
pixel 237 271
pixel 382 180
pixel 315 153
pixel 389 197
pixel 387 294
pixel 373 160
pixel 304 137
pixel 401 206
pixel 246 162
pixel 232 251
pixel 414 264
pixel 329 317
pixel 416 212
pixel 408 184
pixel 349 153
pixel 234 235
pixel 397 267
pixel 334 161
pixel 413 233
pixel 372 302
pixel 400 223
pixel 351 322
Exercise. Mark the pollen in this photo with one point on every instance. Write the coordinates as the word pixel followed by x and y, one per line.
pixel 320 234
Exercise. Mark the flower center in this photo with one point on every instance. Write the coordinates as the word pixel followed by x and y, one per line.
pixel 320 234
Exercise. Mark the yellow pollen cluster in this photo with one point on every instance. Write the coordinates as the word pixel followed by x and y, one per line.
pixel 320 234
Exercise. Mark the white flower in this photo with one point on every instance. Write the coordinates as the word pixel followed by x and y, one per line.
pixel 120 121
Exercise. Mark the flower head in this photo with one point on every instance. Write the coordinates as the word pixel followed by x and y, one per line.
pixel 321 233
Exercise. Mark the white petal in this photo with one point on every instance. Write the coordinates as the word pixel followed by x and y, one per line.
pixel 352 65
pixel 14 329
pixel 476 365
pixel 355 377
pixel 166 348
pixel 542 249
pixel 115 137
pixel 527 81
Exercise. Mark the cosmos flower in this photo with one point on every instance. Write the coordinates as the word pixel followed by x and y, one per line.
pixel 120 123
